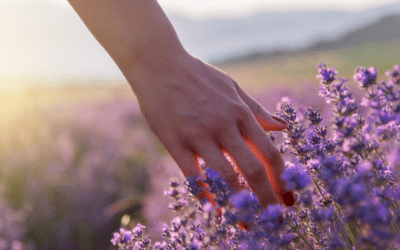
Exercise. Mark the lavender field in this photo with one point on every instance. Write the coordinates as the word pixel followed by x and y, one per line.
pixel 344 171
pixel 70 172
pixel 75 172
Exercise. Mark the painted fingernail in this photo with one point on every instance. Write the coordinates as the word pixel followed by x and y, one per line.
pixel 289 198
pixel 280 120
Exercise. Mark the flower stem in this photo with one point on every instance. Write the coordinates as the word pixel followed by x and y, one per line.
pixel 308 225
pixel 320 225
pixel 344 236
pixel 301 235
pixel 226 244
pixel 317 238
pixel 352 238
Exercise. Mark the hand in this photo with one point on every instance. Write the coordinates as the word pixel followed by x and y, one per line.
pixel 197 111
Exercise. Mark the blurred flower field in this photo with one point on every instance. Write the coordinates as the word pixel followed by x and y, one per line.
pixel 72 174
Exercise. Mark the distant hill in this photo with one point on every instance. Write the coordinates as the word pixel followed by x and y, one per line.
pixel 385 29
pixel 219 39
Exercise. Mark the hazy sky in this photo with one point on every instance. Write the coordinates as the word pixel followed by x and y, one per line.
pixel 20 62
pixel 226 8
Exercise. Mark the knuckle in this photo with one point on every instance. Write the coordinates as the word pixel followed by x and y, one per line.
pixel 193 134
pixel 256 171
pixel 229 176
pixel 233 143
pixel 241 109
pixel 225 129
pixel 273 153
pixel 258 109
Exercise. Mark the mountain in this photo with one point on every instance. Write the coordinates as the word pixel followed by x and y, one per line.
pixel 218 39
pixel 385 29
pixel 45 42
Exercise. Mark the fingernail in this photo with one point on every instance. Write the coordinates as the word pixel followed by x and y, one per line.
pixel 289 198
pixel 280 120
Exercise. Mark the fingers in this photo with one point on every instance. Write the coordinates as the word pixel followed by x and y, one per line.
pixel 267 153
pixel 215 159
pixel 187 161
pixel 267 121
pixel 250 168
pixel 261 144
pixel 190 166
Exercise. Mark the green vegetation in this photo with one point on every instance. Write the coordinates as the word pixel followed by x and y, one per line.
pixel 297 67
pixel 382 55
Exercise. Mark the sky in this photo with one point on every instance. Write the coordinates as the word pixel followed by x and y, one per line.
pixel 203 9
pixel 200 9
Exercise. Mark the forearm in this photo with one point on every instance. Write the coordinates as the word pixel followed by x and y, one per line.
pixel 130 31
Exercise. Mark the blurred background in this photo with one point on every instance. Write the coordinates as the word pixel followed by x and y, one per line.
pixel 77 159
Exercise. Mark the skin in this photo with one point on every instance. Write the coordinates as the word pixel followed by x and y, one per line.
pixel 195 109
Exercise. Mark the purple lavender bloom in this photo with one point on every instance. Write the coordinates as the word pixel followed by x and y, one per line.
pixel 314 138
pixel 247 204
pixel 366 76
pixel 382 233
pixel 215 182
pixel 244 200
pixel 274 212
pixel 231 217
pixel 137 231
pixel 330 168
pixel 394 75
pixel 374 213
pixel 123 237
pixel 296 176
pixel 321 131
pixel 327 76
pixel 350 192
pixel 192 186
pixel 285 240
pixel 307 198
pixel 314 116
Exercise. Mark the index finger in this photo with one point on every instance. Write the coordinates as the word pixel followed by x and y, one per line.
pixel 266 152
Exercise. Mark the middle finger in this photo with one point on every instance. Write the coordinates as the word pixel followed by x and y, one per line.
pixel 250 168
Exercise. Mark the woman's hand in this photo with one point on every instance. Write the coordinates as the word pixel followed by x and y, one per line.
pixel 197 110
pixel 194 109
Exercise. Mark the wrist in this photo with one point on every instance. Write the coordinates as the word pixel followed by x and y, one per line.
pixel 157 66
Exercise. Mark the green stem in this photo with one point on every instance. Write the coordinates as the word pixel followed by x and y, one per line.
pixel 226 243
pixel 344 236
pixel 308 225
pixel 394 205
pixel 322 228
pixel 301 235
pixel 352 238
pixel 395 227
pixel 317 238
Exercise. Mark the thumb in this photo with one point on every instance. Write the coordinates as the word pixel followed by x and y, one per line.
pixel 267 121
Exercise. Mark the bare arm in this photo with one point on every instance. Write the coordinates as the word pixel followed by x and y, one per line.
pixel 129 30
pixel 194 109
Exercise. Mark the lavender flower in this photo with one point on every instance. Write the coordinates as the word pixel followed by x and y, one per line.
pixel 394 75
pixel 366 76
pixel 347 196
pixel 327 76
pixel 296 176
